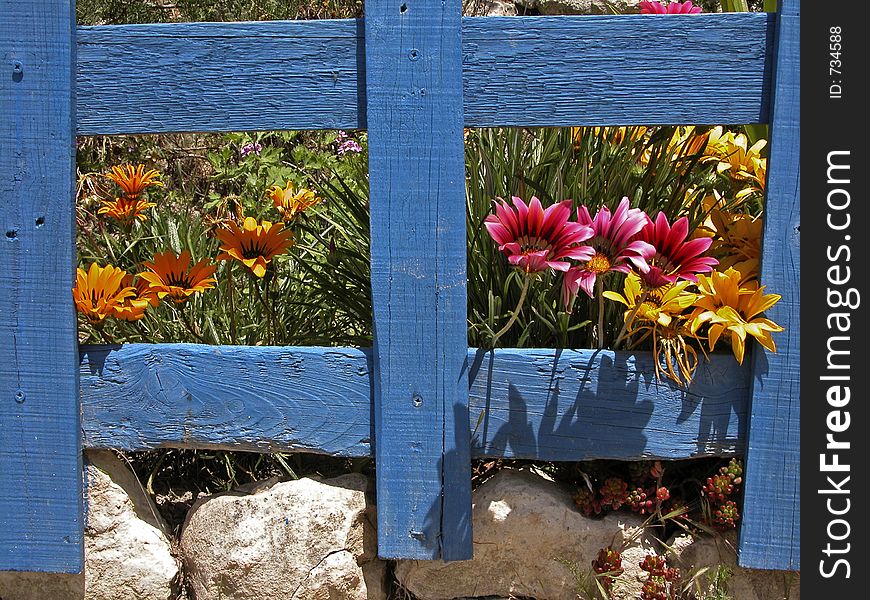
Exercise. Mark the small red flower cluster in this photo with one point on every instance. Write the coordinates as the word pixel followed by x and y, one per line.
pixel 607 567
pixel 645 495
pixel 719 491
pixel 662 582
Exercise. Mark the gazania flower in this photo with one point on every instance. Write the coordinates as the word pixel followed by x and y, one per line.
pixel 660 306
pixel 660 313
pixel 732 310
pixel 535 239
pixel 125 210
pixel 291 201
pixel 133 308
pixel 99 292
pixel 675 257
pixel 254 245
pixel 134 180
pixel 736 240
pixel 648 7
pixel 611 244
pixel 173 276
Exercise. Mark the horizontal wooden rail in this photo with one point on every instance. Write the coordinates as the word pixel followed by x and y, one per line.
pixel 523 71
pixel 541 404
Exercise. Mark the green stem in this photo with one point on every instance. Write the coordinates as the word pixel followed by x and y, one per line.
pixel 268 311
pixel 630 319
pixel 188 325
pixel 231 294
pixel 516 312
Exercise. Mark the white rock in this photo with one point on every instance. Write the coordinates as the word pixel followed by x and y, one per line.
pixel 127 555
pixel 526 534
pixel 295 540
pixel 489 8
pixel 691 554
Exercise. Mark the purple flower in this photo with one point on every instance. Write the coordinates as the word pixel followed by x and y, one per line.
pixel 349 145
pixel 251 147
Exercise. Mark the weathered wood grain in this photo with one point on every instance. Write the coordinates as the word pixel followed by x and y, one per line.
pixel 616 70
pixel 770 534
pixel 40 456
pixel 220 77
pixel 547 71
pixel 232 397
pixel 535 404
pixel 417 191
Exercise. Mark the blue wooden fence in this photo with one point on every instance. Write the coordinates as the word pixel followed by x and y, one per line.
pixel 413 73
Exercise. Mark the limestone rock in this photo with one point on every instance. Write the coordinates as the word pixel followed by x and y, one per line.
pixel 127 554
pixel 528 538
pixel 691 554
pixel 296 540
pixel 489 8
pixel 581 7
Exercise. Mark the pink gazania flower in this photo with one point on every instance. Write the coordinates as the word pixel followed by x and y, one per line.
pixel 535 239
pixel 612 245
pixel 675 258
pixel 648 7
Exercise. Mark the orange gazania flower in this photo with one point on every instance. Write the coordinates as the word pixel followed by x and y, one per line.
pixel 125 210
pixel 133 308
pixel 133 180
pixel 173 276
pixel 253 244
pixel 99 292
pixel 291 201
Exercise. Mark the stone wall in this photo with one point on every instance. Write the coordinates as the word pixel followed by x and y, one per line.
pixel 315 539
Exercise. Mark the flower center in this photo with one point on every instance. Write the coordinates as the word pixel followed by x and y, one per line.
pixel 533 244
pixel 599 263
pixel 254 251
pixel 181 281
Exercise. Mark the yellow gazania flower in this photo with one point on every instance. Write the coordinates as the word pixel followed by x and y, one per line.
pixel 99 292
pixel 738 159
pixel 732 310
pixel 133 180
pixel 291 201
pixel 658 306
pixel 720 142
pixel 736 238
pixel 254 245
pixel 125 210
pixel 173 276
pixel 660 315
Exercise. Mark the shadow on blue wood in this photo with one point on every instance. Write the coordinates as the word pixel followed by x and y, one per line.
pixel 577 70
pixel 541 404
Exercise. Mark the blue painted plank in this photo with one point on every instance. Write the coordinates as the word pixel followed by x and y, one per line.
pixel 40 451
pixel 578 70
pixel 770 534
pixel 579 405
pixel 267 399
pixel 537 404
pixel 417 190
pixel 220 77
pixel 616 70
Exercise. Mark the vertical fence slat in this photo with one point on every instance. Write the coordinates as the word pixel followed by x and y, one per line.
pixel 416 171
pixel 770 534
pixel 40 431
